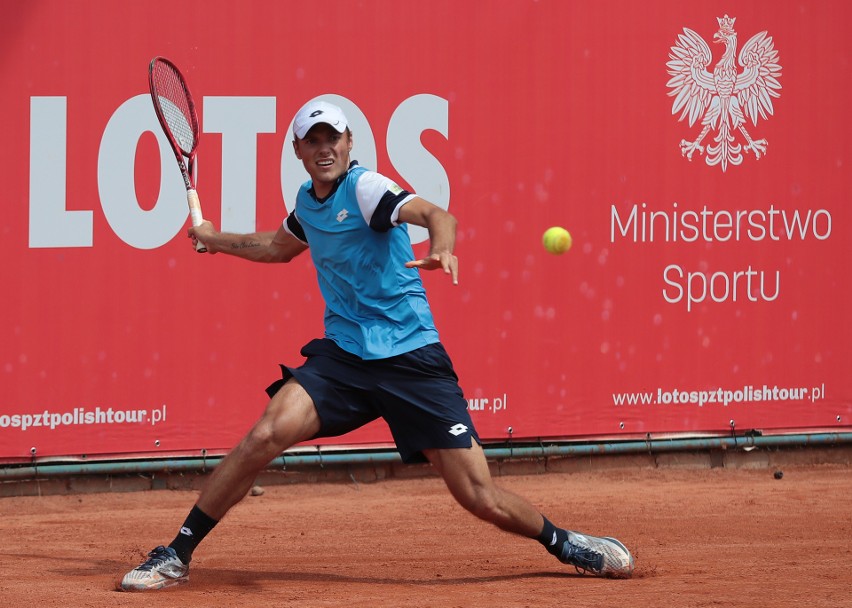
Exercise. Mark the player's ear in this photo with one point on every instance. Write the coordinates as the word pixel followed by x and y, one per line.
pixel 351 140
pixel 296 149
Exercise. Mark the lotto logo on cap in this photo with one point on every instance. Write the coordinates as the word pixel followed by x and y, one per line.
pixel 316 112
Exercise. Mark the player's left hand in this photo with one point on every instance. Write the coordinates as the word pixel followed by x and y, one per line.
pixel 445 260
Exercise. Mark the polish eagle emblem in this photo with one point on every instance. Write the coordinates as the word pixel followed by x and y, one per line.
pixel 725 97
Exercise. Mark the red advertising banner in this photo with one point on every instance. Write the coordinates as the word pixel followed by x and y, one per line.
pixel 698 153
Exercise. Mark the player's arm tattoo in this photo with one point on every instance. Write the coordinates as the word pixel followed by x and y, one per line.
pixel 245 245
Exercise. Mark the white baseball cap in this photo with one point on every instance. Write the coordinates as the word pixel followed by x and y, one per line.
pixel 316 112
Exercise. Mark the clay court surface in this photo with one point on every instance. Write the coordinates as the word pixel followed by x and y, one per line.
pixel 705 537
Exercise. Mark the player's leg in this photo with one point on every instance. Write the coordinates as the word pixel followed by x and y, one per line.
pixel 290 417
pixel 466 473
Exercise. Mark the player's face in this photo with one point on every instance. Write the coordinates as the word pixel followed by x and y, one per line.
pixel 325 154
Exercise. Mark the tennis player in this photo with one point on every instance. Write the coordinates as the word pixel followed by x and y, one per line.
pixel 381 356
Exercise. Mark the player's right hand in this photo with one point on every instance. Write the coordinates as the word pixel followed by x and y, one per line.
pixel 204 232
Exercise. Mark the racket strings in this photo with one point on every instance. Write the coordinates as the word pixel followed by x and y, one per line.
pixel 174 106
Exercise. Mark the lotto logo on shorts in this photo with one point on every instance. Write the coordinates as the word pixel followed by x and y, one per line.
pixel 458 429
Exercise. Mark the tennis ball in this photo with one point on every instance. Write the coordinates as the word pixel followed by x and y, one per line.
pixel 556 240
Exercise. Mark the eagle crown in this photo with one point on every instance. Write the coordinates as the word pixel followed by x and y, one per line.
pixel 726 24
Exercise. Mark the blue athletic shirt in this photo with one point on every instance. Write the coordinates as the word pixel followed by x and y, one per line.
pixel 375 306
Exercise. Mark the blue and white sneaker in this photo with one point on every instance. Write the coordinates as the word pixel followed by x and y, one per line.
pixel 605 557
pixel 162 569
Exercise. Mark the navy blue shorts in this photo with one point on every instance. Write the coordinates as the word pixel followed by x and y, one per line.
pixel 416 393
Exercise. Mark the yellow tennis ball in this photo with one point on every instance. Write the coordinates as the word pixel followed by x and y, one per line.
pixel 556 240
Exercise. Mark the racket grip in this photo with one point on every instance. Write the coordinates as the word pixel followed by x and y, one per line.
pixel 195 215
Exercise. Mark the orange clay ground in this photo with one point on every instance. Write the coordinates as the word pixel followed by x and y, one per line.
pixel 718 537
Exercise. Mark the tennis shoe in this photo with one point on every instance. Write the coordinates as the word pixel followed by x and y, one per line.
pixel 605 557
pixel 162 569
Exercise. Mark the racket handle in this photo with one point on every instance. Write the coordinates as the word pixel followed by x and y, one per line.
pixel 195 215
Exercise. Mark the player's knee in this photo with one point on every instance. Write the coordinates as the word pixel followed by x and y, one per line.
pixel 281 427
pixel 262 439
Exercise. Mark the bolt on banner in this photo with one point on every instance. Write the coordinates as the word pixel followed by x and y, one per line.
pixel 697 155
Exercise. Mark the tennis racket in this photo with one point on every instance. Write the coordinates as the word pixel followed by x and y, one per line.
pixel 176 113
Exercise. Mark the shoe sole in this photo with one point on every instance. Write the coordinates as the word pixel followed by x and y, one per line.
pixel 163 584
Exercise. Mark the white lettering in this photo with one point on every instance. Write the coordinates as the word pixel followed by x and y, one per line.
pixel 415 163
pixel 116 161
pixel 239 120
pixel 749 284
pixel 51 224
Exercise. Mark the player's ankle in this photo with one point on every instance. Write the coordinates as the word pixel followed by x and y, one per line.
pixel 552 537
